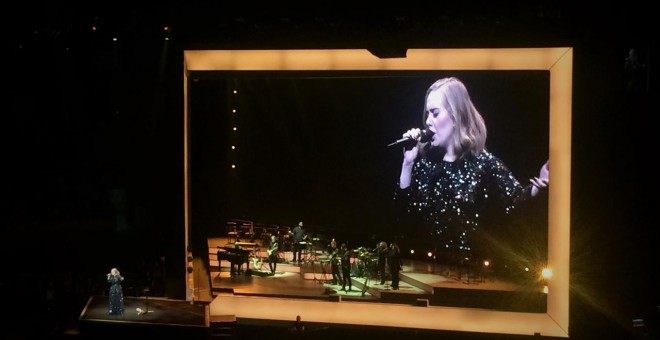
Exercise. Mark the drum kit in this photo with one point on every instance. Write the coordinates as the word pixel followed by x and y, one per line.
pixel 366 265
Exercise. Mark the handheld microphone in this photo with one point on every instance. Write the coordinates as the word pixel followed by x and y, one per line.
pixel 424 137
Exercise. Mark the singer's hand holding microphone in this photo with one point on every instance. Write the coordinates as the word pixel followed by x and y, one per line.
pixel 410 141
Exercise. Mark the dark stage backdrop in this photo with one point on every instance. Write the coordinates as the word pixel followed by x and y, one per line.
pixel 312 146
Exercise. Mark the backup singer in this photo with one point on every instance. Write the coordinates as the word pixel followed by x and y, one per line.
pixel 449 181
pixel 381 251
pixel 394 260
pixel 345 257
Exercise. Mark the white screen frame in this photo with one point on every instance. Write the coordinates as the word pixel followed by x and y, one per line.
pixel 558 61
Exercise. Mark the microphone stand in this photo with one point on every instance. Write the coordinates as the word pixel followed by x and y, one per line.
pixel 146 292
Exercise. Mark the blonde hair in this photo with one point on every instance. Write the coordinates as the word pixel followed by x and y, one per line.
pixel 114 271
pixel 469 135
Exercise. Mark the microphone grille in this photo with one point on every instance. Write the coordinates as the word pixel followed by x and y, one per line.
pixel 425 136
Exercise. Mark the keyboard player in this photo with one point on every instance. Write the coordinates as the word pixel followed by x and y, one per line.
pixel 299 235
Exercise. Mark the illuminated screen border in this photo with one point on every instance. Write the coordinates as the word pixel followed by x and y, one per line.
pixel 557 60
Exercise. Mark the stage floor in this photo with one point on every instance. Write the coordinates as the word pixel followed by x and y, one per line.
pixel 162 317
pixel 158 311
pixel 432 297
pixel 438 284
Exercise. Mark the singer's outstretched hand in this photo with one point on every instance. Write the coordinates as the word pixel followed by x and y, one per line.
pixel 541 182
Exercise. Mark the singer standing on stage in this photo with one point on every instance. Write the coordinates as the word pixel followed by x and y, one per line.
pixel 448 178
pixel 116 293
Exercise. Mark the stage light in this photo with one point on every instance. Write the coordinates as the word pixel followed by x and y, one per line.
pixel 94 28
pixel 233 166
pixel 234 110
pixel 233 147
pixel 486 263
pixel 545 289
pixel 114 39
pixel 167 39
pixel 526 269
pixel 430 254
pixel 235 92
pixel 235 128
pixel 412 251
pixel 166 28
pixel 546 273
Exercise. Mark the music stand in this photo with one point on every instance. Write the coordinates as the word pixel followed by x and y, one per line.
pixel 324 276
pixel 310 253
pixel 304 252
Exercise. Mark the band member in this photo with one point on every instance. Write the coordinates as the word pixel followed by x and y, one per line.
pixel 381 250
pixel 272 250
pixel 394 260
pixel 333 250
pixel 345 257
pixel 299 235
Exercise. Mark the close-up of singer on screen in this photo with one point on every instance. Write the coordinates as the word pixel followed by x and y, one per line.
pixel 449 180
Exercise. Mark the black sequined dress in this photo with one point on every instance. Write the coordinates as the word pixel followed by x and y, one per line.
pixel 450 199
pixel 116 295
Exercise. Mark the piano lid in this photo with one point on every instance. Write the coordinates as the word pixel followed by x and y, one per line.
pixel 245 244
pixel 232 249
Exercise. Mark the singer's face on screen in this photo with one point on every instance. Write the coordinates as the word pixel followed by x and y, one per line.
pixel 438 120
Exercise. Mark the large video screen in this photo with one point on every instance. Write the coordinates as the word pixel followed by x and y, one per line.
pixel 448 153
pixel 314 147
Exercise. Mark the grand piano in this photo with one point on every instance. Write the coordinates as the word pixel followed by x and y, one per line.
pixel 237 254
